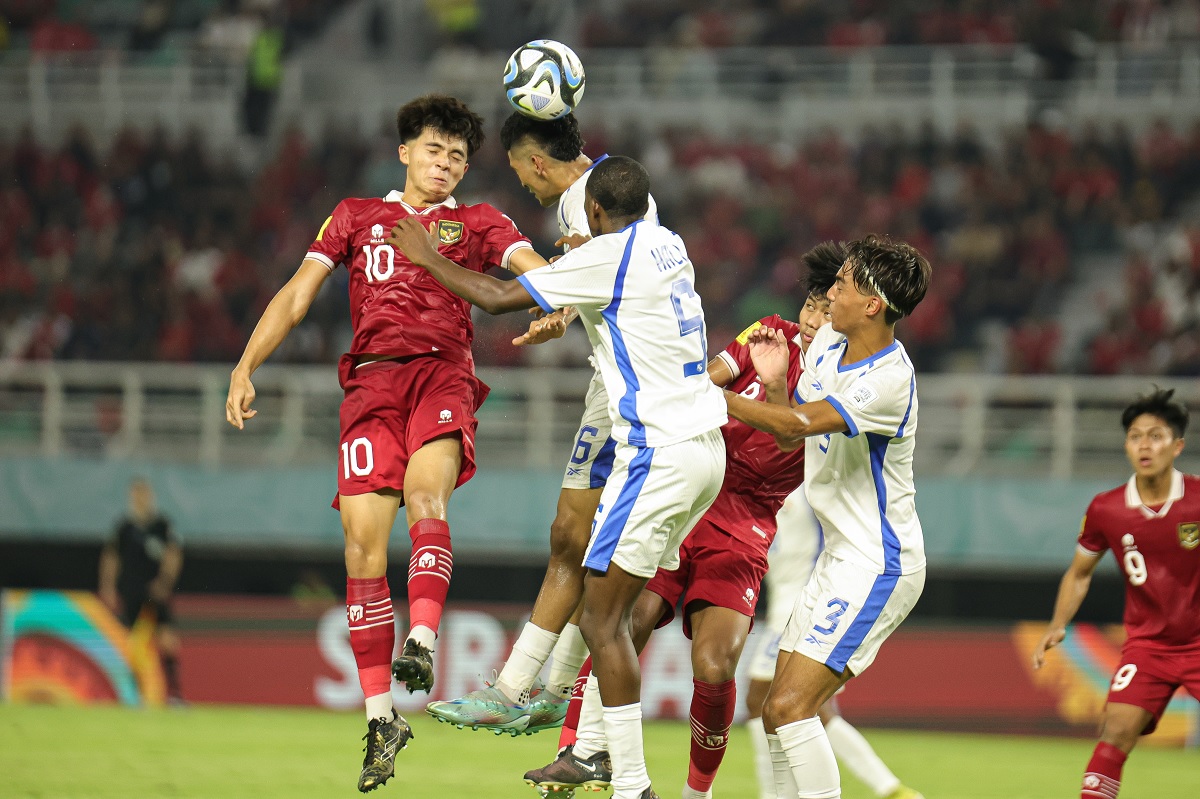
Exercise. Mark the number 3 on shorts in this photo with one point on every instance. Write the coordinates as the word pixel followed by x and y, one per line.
pixel 1124 676
pixel 357 458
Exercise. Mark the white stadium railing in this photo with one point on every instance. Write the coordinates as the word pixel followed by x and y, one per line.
pixel 776 91
pixel 979 425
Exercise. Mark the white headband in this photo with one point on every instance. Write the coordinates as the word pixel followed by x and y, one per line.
pixel 875 288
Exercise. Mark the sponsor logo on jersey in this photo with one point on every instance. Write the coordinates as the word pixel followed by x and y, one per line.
pixel 449 231
pixel 444 416
pixel 1189 535
pixel 355 612
pixel 427 560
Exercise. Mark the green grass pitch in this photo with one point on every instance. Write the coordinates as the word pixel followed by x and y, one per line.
pixel 230 753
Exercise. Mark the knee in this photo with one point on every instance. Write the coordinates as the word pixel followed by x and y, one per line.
pixel 421 503
pixel 568 538
pixel 598 628
pixel 783 708
pixel 366 552
pixel 713 666
pixel 1119 733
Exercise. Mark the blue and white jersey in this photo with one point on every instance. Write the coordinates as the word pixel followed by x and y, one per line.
pixel 572 218
pixel 634 291
pixel 860 483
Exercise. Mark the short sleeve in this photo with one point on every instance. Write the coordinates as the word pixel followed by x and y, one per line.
pixel 879 401
pixel 583 277
pixel 737 355
pixel 500 237
pixel 332 245
pixel 1091 536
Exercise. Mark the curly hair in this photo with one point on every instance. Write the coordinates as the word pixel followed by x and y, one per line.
pixel 447 115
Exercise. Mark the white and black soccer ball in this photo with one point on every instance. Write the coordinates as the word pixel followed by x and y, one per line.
pixel 544 79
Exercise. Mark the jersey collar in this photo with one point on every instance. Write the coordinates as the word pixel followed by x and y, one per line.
pixel 1134 500
pixel 395 196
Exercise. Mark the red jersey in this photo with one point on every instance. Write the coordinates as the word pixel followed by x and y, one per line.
pixel 1158 551
pixel 397 308
pixel 758 476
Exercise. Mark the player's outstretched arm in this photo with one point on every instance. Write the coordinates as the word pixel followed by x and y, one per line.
pixel 790 426
pixel 769 354
pixel 283 313
pixel 1071 591
pixel 484 291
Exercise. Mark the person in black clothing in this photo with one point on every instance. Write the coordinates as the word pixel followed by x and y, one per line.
pixel 139 567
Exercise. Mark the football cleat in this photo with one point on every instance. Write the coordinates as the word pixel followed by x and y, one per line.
pixel 384 739
pixel 569 772
pixel 487 709
pixel 904 792
pixel 545 711
pixel 649 793
pixel 414 667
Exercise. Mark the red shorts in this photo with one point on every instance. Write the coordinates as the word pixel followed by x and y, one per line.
pixel 1148 677
pixel 714 567
pixel 392 408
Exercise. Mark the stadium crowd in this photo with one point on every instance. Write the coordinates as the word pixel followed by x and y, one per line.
pixel 152 249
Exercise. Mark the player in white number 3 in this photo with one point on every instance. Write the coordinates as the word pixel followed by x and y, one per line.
pixel 857 417
pixel 632 284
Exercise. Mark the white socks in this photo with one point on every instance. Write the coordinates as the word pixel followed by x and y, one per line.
pixel 590 737
pixel 691 793
pixel 781 770
pixel 762 758
pixel 811 759
pixel 529 654
pixel 379 706
pixel 423 635
pixel 623 728
pixel 569 654
pixel 857 755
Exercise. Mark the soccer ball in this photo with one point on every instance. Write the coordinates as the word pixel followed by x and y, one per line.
pixel 544 79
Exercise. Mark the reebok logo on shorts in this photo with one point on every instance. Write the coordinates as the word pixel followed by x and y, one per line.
pixel 444 416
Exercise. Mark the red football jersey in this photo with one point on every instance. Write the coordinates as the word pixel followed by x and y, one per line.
pixel 758 476
pixel 397 308
pixel 1158 551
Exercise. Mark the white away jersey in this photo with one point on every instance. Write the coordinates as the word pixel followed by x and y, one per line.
pixel 860 483
pixel 572 219
pixel 633 289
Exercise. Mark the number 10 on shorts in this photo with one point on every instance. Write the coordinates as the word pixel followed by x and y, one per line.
pixel 357 458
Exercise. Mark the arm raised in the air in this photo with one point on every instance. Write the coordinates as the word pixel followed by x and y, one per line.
pixel 484 291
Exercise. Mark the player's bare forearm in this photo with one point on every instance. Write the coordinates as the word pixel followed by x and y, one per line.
pixel 525 259
pixel 789 425
pixel 483 291
pixel 1072 590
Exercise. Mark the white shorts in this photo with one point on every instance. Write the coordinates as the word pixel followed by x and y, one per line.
pixel 846 612
pixel 652 500
pixel 766 652
pixel 791 559
pixel 592 458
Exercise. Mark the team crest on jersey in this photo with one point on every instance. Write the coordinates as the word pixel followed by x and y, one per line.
pixel 449 231
pixel 1189 535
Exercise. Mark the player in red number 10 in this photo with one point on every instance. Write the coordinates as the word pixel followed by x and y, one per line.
pixel 408 418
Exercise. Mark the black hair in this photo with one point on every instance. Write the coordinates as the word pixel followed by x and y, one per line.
pixel 824 262
pixel 447 115
pixel 1158 404
pixel 894 271
pixel 559 138
pixel 621 186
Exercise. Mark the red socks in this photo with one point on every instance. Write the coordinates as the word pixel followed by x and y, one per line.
pixel 1102 779
pixel 372 632
pixel 571 722
pixel 712 714
pixel 429 571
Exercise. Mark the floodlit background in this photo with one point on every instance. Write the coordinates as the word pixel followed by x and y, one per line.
pixel 164 165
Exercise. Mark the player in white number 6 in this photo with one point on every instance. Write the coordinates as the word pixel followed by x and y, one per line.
pixel 1152 526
